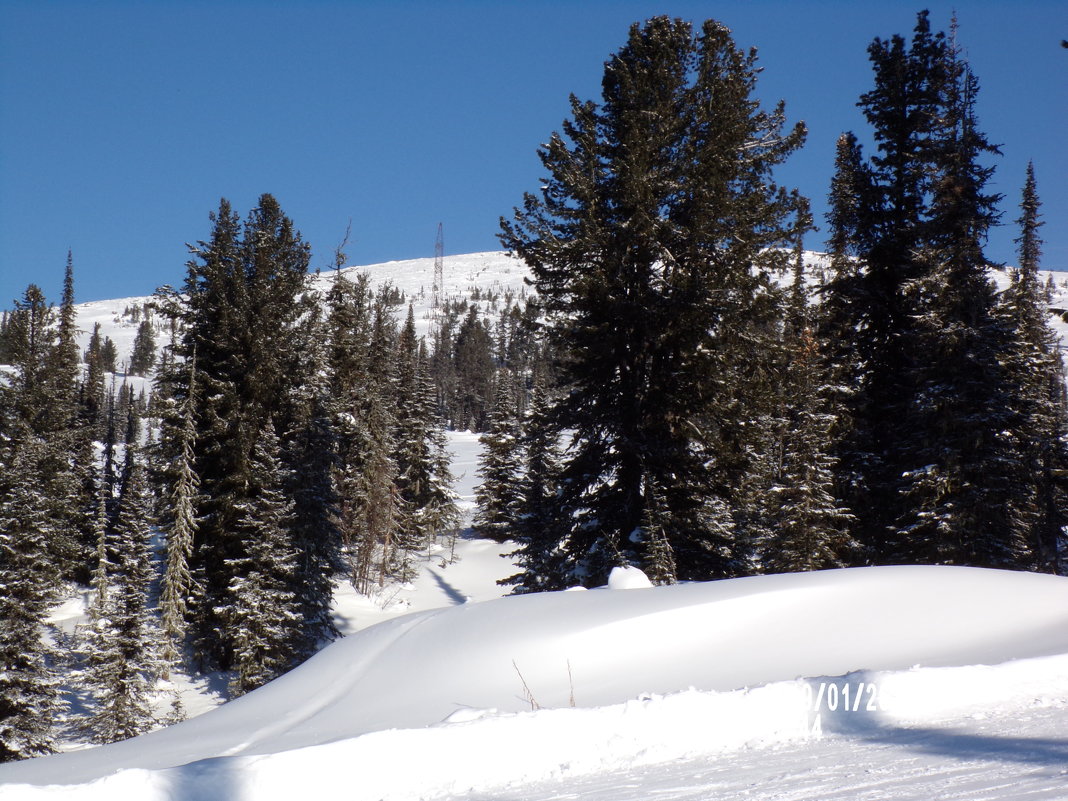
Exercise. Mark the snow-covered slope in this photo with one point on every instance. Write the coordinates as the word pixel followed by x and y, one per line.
pixel 965 672
pixel 355 717
pixel 484 275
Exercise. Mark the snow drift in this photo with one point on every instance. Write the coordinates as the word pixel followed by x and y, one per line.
pixel 599 648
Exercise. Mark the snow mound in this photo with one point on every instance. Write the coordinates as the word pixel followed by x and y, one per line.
pixel 627 578
pixel 590 649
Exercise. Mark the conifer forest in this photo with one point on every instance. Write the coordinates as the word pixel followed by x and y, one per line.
pixel 682 388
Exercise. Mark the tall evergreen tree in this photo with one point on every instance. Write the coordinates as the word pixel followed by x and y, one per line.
pixel 957 461
pixel 312 451
pixel 143 355
pixel 424 481
pixel 925 462
pixel 474 369
pixel 651 246
pixel 879 217
pixel 93 394
pixel 29 691
pixel 64 370
pixel 180 526
pixel 123 662
pixel 498 495
pixel 808 528
pixel 42 397
pixel 1041 430
pixel 242 311
pixel 109 355
pixel 540 525
pixel 263 615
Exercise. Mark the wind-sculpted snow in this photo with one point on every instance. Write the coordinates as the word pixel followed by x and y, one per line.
pixel 391 711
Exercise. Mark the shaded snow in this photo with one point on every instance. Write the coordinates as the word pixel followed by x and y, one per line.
pixel 657 675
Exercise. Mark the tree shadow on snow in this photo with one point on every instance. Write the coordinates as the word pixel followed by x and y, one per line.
pixel 216 779
pixel 869 724
pixel 450 591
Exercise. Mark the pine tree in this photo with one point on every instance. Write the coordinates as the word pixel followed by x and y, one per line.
pixel 958 464
pixel 1041 430
pixel 93 395
pixel 424 481
pixel 540 521
pixel 312 449
pixel 651 247
pixel 925 462
pixel 4 353
pixel 109 355
pixel 383 512
pixel 29 691
pixel 42 393
pixel 878 217
pixel 242 311
pixel 263 615
pixel 805 526
pixel 143 355
pixel 410 451
pixel 497 496
pixel 64 370
pixel 810 529
pixel 474 369
pixel 177 584
pixel 123 661
pixel 32 339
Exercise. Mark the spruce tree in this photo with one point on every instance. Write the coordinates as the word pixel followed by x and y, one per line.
pixel 93 392
pixel 651 247
pixel 242 311
pixel 386 516
pixel 32 339
pixel 540 527
pixel 123 663
pixel 29 686
pixel 312 452
pixel 957 463
pixel 263 615
pixel 143 355
pixel 42 397
pixel 474 367
pixel 64 369
pixel 109 355
pixel 348 340
pixel 497 496
pixel 878 216
pixel 1041 411
pixel 424 481
pixel 924 463
pixel 180 526
pixel 808 527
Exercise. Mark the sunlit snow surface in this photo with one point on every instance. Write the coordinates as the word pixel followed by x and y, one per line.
pixel 441 702
pixel 949 683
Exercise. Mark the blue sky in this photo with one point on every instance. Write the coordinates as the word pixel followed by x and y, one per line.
pixel 123 123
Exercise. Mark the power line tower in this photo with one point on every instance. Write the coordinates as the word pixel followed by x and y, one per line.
pixel 439 266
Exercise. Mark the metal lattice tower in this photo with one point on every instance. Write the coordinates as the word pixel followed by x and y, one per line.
pixel 439 266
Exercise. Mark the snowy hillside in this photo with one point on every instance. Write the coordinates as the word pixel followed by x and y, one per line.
pixel 490 276
pixel 868 683
pixel 442 703
pixel 483 274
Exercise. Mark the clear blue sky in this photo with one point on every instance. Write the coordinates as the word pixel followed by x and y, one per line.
pixel 123 123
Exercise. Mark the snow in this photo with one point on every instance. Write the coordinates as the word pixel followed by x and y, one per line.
pixel 476 698
pixel 442 689
pixel 627 578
